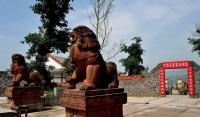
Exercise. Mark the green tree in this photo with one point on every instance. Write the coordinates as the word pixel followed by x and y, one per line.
pixel 133 63
pixel 145 71
pixel 53 34
pixel 195 41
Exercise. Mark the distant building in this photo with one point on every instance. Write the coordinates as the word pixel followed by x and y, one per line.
pixel 58 71
pixel 55 61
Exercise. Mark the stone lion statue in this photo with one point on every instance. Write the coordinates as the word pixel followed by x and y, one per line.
pixel 90 67
pixel 21 76
pixel 19 71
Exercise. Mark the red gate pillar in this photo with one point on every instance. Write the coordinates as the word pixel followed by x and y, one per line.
pixel 162 82
pixel 190 82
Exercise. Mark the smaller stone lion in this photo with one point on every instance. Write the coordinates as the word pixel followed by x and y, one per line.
pixel 19 71
pixel 21 76
pixel 85 57
pixel 36 78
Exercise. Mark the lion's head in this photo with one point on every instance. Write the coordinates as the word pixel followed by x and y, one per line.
pixel 18 63
pixel 86 37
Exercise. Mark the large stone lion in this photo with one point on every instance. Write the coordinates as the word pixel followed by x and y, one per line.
pixel 90 68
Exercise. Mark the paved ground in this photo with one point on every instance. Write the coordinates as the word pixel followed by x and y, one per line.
pixel 171 106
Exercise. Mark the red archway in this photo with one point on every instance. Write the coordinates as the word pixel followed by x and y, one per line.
pixel 177 65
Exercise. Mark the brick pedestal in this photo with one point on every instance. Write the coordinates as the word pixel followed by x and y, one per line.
pixel 20 96
pixel 94 103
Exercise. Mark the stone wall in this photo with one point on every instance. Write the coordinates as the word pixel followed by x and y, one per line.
pixel 4 80
pixel 196 69
pixel 147 86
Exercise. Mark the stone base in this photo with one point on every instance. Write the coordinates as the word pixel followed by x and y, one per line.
pixel 20 96
pixel 94 103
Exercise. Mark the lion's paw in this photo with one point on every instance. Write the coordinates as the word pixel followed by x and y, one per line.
pixel 87 87
pixel 112 85
pixel 71 80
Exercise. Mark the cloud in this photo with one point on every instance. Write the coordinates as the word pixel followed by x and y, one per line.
pixel 154 12
pixel 124 25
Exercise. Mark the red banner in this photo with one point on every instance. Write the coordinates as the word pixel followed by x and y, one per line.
pixel 190 81
pixel 162 82
pixel 175 64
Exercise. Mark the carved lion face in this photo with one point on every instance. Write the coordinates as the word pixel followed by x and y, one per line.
pixel 85 38
pixel 16 68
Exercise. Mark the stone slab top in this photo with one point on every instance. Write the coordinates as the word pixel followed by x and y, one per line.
pixel 77 92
